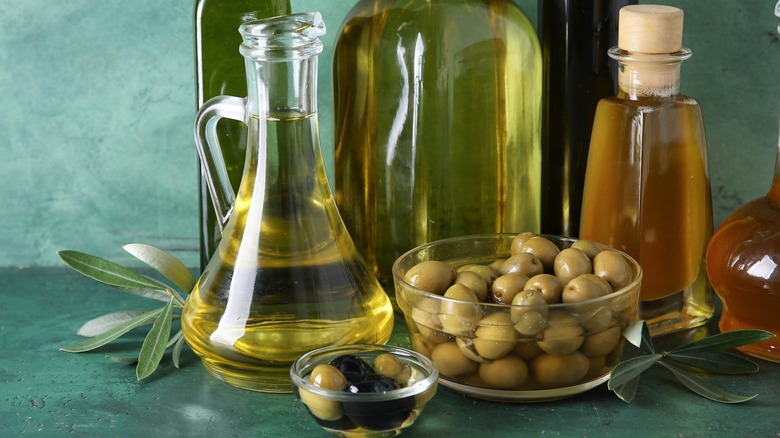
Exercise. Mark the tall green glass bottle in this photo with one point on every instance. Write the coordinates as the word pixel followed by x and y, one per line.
pixel 219 69
pixel 437 106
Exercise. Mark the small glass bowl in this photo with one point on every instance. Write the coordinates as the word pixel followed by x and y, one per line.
pixel 574 351
pixel 376 414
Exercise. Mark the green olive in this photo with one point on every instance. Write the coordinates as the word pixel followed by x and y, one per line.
pixel 563 334
pixel 597 320
pixel 327 377
pixel 475 282
pixel 588 247
pixel 612 267
pixel 523 264
pixel 390 365
pixel 519 240
pixel 467 348
pixel 495 336
pixel 554 370
pixel 496 265
pixel 599 344
pixel 428 325
pixel 571 263
pixel 597 367
pixel 451 362
pixel 431 276
pixel 549 285
pixel 504 289
pixel 542 248
pixel 527 350
pixel 585 287
pixel 459 314
pixel 530 323
pixel 528 301
pixel 420 343
pixel 486 272
pixel 508 372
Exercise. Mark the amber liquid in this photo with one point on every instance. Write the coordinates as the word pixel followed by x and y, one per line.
pixel 437 109
pixel 647 193
pixel 219 70
pixel 742 262
pixel 577 74
pixel 285 280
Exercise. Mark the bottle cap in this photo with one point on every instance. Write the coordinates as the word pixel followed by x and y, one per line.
pixel 650 29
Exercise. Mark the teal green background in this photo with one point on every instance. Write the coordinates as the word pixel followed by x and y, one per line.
pixel 98 100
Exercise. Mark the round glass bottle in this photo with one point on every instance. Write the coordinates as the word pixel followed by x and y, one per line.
pixel 647 188
pixel 743 263
pixel 437 105
pixel 286 278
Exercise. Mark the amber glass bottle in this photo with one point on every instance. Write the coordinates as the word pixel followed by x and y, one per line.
pixel 219 69
pixel 647 186
pixel 575 37
pixel 437 111
pixel 743 262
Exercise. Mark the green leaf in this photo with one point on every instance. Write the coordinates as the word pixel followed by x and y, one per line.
pixel 176 356
pixel 725 341
pixel 705 388
pixel 164 263
pixel 108 272
pixel 101 324
pixel 105 338
pixel 155 343
pixel 148 293
pixel 629 369
pixel 638 334
pixel 715 362
pixel 627 391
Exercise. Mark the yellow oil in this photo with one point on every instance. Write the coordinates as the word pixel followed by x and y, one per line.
pixel 286 278
pixel 437 106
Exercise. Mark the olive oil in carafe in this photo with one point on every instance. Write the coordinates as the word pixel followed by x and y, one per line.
pixel 280 283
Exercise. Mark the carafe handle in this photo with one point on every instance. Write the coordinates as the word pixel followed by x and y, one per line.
pixel 212 161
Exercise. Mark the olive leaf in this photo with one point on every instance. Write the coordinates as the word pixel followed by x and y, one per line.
pixel 689 363
pixel 101 324
pixel 704 388
pixel 155 343
pixel 107 328
pixel 114 333
pixel 108 272
pixel 164 263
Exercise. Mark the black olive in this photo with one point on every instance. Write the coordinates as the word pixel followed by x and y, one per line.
pixel 352 367
pixel 378 415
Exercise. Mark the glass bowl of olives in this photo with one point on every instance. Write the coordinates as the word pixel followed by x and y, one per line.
pixel 518 317
pixel 364 389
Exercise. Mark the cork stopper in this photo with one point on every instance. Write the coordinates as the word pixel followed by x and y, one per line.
pixel 650 29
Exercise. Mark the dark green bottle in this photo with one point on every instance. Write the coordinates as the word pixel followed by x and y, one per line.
pixel 219 69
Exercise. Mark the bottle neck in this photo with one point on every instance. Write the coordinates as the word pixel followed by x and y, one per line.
pixel 279 88
pixel 648 75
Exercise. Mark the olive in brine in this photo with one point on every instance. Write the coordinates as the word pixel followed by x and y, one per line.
pixel 431 276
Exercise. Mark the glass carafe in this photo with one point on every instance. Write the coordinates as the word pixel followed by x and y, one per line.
pixel 743 262
pixel 437 105
pixel 286 277
pixel 218 71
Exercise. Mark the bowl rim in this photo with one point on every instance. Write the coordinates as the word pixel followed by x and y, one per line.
pixel 636 282
pixel 306 362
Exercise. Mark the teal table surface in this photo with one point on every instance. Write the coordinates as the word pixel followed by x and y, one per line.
pixel 47 392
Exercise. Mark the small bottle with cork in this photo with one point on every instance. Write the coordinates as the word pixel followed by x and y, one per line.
pixel 647 189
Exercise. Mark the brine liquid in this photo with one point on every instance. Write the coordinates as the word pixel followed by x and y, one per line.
pixel 437 109
pixel 286 278
pixel 219 70
pixel 576 36
pixel 743 262
pixel 647 193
